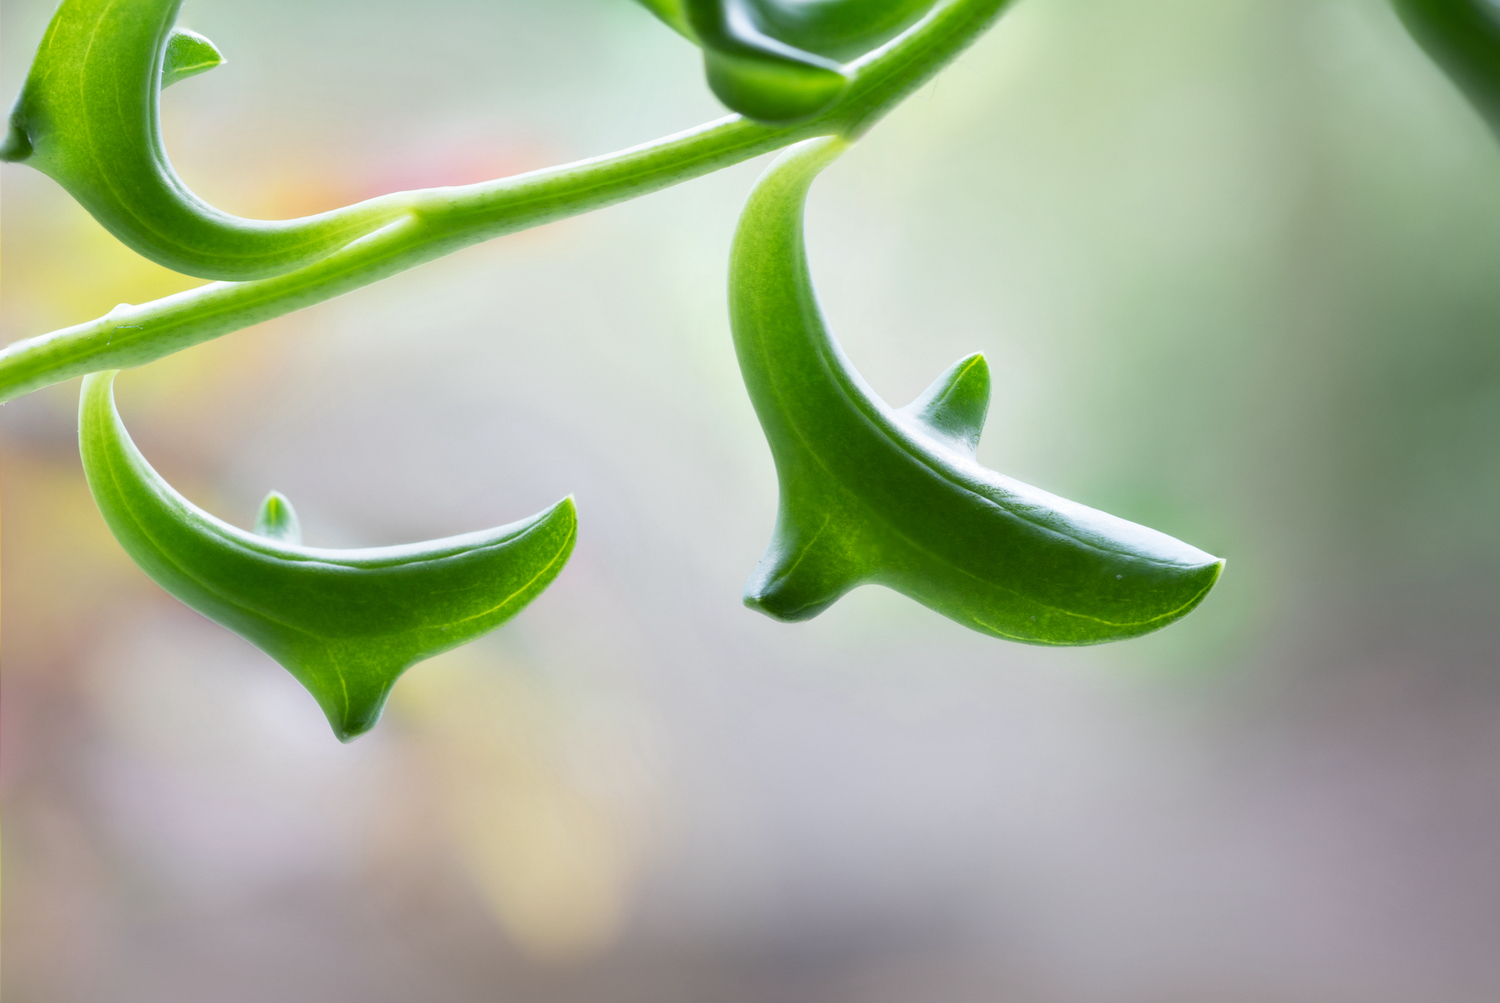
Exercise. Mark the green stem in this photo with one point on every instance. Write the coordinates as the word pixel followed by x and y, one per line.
pixel 444 220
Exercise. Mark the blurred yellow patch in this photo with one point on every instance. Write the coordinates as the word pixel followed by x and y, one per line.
pixel 64 570
pixel 544 793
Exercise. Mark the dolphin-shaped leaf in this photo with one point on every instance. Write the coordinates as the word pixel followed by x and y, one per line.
pixel 1463 37
pixel 346 623
pixel 779 60
pixel 88 117
pixel 871 494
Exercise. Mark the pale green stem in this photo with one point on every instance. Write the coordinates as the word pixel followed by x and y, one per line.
pixel 444 220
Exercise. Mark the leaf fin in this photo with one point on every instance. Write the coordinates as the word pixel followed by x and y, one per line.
pixel 875 495
pixel 955 406
pixel 277 520
pixel 345 623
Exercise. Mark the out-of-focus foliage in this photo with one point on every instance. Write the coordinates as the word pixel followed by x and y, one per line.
pixel 1464 37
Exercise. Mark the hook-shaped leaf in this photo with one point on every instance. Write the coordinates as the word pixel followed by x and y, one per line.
pixel 871 494
pixel 88 117
pixel 346 623
pixel 1463 37
pixel 779 60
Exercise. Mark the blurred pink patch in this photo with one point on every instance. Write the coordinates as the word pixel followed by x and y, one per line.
pixel 458 160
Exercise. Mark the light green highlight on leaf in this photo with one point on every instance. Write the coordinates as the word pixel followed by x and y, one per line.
pixel 346 623
pixel 875 495
pixel 758 75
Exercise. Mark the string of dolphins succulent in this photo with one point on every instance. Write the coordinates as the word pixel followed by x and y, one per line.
pixel 346 623
pixel 868 493
pixel 431 222
pixel 897 497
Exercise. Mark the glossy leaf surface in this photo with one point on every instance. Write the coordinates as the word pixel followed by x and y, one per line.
pixel 838 29
pixel 188 54
pixel 1463 37
pixel 871 494
pixel 346 623
pixel 88 117
pixel 779 60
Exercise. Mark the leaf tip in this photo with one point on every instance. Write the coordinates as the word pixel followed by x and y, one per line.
pixel 277 520
pixel 565 514
pixel 17 145
pixel 347 731
pixel 775 604
pixel 955 406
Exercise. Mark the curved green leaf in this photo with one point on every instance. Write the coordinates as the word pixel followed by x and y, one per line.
pixel 871 494
pixel 1463 37
pixel 88 117
pixel 346 623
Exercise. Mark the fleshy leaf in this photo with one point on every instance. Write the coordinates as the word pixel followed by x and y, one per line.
pixel 779 60
pixel 870 494
pixel 88 117
pixel 346 623
pixel 758 75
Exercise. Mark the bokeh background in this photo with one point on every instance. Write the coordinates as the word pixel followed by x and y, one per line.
pixel 1234 265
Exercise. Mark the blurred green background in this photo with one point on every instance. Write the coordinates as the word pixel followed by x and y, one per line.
pixel 1233 263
